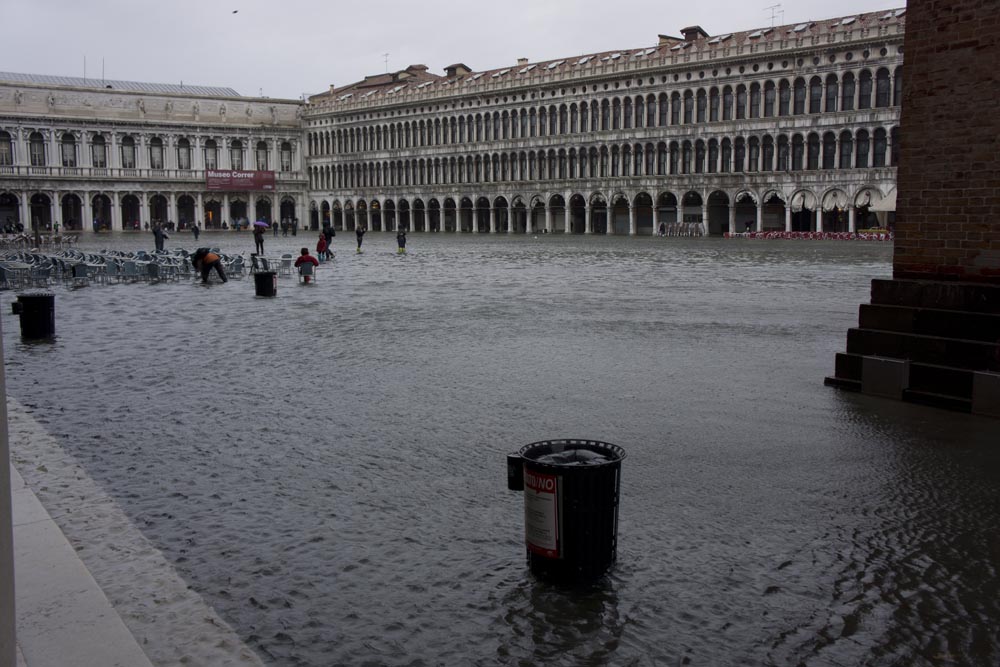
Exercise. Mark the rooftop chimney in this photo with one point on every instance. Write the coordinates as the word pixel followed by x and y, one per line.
pixel 521 62
pixel 458 69
pixel 691 33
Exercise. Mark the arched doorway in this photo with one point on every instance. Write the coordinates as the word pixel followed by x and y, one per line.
pixel 535 221
pixel 287 211
pixel 482 215
pixel 349 217
pixel 263 209
pixel 746 212
pixel 403 212
pixel 618 215
pixel 691 213
pixel 803 204
pixel 464 221
pixel 599 214
pixel 501 214
pixel 389 213
pixel 666 214
pixel 375 211
pixel 185 211
pixel 131 217
pixel 449 214
pixel 71 212
pixel 10 212
pixel 642 211
pixel 835 203
pixel 433 216
pixel 41 212
pixel 518 216
pixel 557 213
pixel 418 215
pixel 774 212
pixel 213 214
pixel 718 213
pixel 238 212
pixel 101 207
pixel 158 209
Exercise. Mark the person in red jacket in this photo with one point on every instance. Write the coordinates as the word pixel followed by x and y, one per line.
pixel 322 248
pixel 305 258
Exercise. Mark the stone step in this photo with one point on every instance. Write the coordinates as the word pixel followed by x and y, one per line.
pixel 970 297
pixel 957 353
pixel 931 322
pixel 937 400
pixel 945 380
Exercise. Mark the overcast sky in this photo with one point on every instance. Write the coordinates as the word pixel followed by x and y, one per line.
pixel 284 48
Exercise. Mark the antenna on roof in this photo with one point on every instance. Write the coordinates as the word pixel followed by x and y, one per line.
pixel 85 70
pixel 102 70
pixel 776 11
pixel 385 57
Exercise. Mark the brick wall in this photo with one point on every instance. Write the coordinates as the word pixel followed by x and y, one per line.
pixel 948 209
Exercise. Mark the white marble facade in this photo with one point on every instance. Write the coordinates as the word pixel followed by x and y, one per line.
pixel 786 128
pixel 76 152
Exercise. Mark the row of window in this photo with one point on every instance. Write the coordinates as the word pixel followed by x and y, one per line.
pixel 767 100
pixel 848 150
pixel 128 153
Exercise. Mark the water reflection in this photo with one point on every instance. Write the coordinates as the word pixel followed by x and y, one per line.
pixel 326 468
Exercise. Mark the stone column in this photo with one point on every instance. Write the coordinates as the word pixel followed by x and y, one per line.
pixel 510 219
pixel 87 209
pixel 114 159
pixel 704 218
pixel 760 215
pixel 632 230
pixel 732 217
pixel 198 159
pixel 116 211
pixel 224 213
pixel 818 216
pixel 493 220
pixel 143 210
pixel 56 159
pixel 25 200
pixel 588 225
pixel 851 219
pixel 55 208
pixel 788 217
pixel 199 212
pixel 172 208
pixel 548 219
pixel 567 218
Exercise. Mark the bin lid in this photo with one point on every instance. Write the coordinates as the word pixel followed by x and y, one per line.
pixel 573 453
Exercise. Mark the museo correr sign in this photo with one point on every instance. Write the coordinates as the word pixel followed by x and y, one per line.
pixel 238 181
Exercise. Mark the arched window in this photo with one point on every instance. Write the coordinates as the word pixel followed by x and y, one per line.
pixel 831 93
pixel 798 153
pixel 627 113
pixel 68 150
pixel 847 93
pixel 713 155
pixel 584 116
pixel 286 156
pixel 236 155
pixel 878 153
pixel 640 112
pixel 616 114
pixel 894 147
pixel 865 90
pixel 783 155
pixel 183 153
pixel 6 149
pixel 784 97
pixel 897 86
pixel 883 88
pixel 815 95
pixel 727 103
pixel 128 152
pixel 741 101
pixel 686 158
pixel 829 150
pixel 753 154
pixel 702 106
pixel 812 152
pixel 99 152
pixel 650 111
pixel 675 109
pixel 605 115
pixel 674 157
pixel 739 154
pixel 713 105
pixel 799 98
pixel 727 156
pixel 769 99
pixel 846 149
pixel 688 107
pixel 861 157
pixel 664 110
pixel 211 151
pixel 754 111
pixel 563 120
pixel 767 153
pixel 261 154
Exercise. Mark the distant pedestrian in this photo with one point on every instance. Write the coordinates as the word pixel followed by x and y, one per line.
pixel 360 232
pixel 328 234
pixel 159 236
pixel 258 238
pixel 401 241
pixel 322 248
pixel 274 228
pixel 196 231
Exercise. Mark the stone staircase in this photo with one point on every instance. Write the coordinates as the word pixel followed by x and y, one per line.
pixel 929 342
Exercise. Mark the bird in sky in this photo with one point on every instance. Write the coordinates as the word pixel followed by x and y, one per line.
pixel 236 11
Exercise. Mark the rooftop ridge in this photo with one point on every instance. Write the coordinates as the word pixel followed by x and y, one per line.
pixel 116 84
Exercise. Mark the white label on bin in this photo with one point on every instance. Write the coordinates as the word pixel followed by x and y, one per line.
pixel 541 513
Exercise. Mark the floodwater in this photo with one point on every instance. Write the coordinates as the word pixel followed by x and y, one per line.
pixel 326 468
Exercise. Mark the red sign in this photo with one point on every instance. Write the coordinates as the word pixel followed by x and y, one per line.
pixel 541 513
pixel 238 181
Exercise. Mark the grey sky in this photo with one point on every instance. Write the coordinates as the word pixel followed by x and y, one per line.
pixel 285 48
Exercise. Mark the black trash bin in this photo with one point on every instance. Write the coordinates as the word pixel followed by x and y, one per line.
pixel 38 315
pixel 571 494
pixel 266 283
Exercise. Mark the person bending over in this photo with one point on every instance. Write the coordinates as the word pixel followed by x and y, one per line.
pixel 205 260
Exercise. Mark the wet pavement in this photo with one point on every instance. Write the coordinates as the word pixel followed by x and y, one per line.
pixel 326 468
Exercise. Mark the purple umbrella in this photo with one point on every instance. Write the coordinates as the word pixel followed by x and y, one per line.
pixel 261 223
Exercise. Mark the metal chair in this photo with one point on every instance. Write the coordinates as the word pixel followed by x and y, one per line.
pixel 307 270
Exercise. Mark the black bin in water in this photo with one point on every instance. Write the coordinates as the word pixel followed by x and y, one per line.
pixel 571 492
pixel 38 315
pixel 266 283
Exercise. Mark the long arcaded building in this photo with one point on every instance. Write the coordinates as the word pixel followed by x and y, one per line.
pixel 790 127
